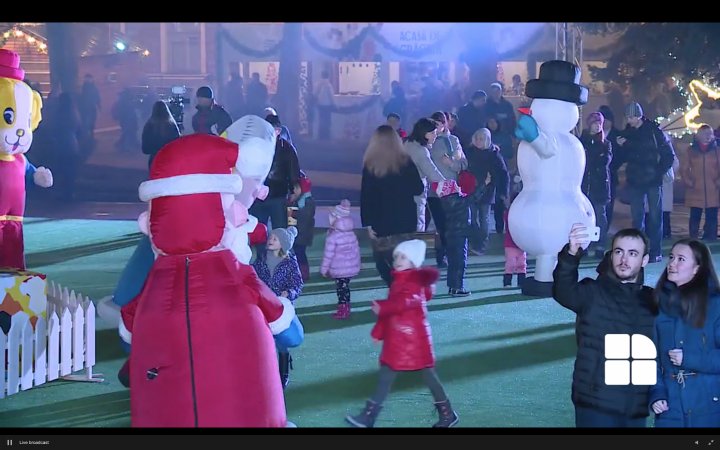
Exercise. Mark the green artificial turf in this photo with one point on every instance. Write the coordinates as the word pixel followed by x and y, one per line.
pixel 505 359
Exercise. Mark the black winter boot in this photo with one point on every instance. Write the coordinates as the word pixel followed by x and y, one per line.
pixel 507 279
pixel 366 418
pixel 124 374
pixel 448 417
pixel 285 363
pixel 520 279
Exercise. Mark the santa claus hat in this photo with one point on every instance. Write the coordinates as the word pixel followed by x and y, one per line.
pixel 445 188
pixel 414 250
pixel 10 65
pixel 194 164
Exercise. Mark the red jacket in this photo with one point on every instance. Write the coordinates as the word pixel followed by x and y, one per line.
pixel 214 367
pixel 402 321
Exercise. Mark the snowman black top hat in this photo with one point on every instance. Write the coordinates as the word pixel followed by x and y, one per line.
pixel 559 80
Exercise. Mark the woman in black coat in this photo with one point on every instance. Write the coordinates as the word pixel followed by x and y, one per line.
pixel 596 181
pixel 159 130
pixel 390 182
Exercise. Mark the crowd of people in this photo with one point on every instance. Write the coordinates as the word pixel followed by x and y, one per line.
pixel 454 170
pixel 463 170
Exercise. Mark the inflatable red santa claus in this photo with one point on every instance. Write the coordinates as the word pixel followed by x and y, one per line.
pixel 202 327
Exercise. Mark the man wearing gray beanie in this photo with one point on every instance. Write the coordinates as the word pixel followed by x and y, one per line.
pixel 633 110
pixel 649 154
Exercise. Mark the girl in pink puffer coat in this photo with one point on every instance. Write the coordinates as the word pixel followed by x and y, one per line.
pixel 341 259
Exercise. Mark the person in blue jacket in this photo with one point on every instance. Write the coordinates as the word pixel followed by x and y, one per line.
pixel 687 339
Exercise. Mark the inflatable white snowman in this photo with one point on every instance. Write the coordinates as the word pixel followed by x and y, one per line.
pixel 551 162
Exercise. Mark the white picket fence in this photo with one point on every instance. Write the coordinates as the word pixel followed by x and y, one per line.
pixel 60 345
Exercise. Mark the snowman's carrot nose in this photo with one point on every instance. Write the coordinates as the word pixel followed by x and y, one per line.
pixel 526 111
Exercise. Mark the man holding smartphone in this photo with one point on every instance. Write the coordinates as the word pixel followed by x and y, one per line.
pixel 649 155
pixel 616 302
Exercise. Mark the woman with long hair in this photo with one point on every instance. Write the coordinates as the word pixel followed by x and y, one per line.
pixel 687 339
pixel 390 182
pixel 611 134
pixel 596 180
pixel 160 129
pixel 418 146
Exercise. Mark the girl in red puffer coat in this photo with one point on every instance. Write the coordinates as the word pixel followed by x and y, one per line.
pixel 403 328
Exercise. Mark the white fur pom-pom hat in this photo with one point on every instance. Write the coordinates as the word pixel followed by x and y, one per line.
pixel 414 250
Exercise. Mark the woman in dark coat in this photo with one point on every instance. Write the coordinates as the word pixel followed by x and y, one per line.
pixel 160 129
pixel 596 181
pixel 389 184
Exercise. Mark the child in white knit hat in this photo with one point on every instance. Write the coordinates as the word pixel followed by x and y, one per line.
pixel 403 328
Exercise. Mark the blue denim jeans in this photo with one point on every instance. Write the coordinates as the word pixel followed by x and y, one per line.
pixel 479 225
pixel 653 227
pixel 602 223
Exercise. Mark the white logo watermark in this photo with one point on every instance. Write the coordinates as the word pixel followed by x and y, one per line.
pixel 630 360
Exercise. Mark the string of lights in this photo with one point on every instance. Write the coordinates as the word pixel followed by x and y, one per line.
pixel 681 122
pixel 31 38
pixel 41 43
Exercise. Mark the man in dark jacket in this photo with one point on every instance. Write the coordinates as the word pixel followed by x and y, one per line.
pixel 210 118
pixel 304 215
pixel 614 303
pixel 500 108
pixel 472 117
pixel 257 95
pixel 649 155
pixel 284 175
pixel 89 105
